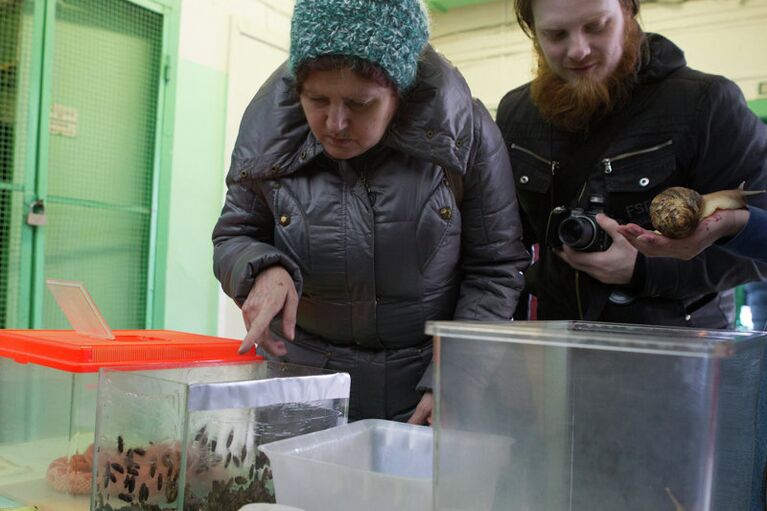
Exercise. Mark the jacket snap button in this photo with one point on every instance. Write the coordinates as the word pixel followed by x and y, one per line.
pixel 276 185
pixel 378 299
pixel 446 213
pixel 429 134
pixel 524 180
pixel 303 155
pixel 243 174
pixel 284 220
pixel 458 143
pixel 275 169
pixel 644 181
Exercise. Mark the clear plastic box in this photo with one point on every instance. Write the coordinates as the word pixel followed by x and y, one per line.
pixel 187 438
pixel 375 465
pixel 599 417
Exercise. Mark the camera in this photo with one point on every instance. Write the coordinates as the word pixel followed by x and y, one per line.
pixel 578 228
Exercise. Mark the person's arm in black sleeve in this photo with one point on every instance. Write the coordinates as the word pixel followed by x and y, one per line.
pixel 732 148
pixel 243 239
pixel 493 256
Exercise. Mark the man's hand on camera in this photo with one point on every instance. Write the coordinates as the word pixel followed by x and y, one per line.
pixel 613 266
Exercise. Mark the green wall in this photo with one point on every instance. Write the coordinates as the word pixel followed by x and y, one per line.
pixel 196 195
pixel 759 106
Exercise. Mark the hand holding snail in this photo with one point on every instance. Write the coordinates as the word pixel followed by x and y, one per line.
pixel 723 222
pixel 677 211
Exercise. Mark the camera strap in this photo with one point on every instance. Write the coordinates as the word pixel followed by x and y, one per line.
pixel 576 169
pixel 570 184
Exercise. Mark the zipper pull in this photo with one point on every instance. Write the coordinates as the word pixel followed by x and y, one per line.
pixel 554 167
pixel 608 166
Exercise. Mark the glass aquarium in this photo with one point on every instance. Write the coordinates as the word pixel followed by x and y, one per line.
pixel 597 417
pixel 187 439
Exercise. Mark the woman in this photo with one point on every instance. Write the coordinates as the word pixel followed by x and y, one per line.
pixel 368 193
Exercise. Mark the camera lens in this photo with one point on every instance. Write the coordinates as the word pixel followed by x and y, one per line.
pixel 577 232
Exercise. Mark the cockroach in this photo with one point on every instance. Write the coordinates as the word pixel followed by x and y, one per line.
pixel 159 482
pixel 139 451
pixel 120 444
pixel 252 471
pixel 228 459
pixel 171 492
pixel 152 469
pixel 143 493
pixel 131 484
pixel 213 444
pixel 129 454
pixel 118 467
pixel 240 480
pixel 244 452
pixel 229 439
pixel 200 433
pixel 132 471
pixel 236 461
pixel 125 497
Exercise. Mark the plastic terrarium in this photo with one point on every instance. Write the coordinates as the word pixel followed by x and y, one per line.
pixel 598 417
pixel 375 465
pixel 187 438
pixel 48 389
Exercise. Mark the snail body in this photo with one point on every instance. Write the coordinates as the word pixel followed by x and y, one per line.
pixel 677 211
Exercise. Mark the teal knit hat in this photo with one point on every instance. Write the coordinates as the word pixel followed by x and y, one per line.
pixel 390 33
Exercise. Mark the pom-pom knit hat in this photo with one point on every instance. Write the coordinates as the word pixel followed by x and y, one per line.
pixel 390 33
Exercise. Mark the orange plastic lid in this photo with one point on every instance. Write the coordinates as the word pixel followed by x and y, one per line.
pixel 77 353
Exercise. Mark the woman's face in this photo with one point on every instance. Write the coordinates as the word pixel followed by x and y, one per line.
pixel 348 114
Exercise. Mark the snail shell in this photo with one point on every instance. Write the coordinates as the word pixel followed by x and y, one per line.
pixel 676 211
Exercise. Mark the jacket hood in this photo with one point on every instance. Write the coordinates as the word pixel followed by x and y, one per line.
pixel 434 122
pixel 664 58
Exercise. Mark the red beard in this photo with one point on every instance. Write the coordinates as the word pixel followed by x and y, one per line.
pixel 574 106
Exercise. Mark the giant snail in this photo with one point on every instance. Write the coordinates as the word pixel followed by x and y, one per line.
pixel 677 211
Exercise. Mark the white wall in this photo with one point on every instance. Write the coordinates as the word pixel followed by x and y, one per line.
pixel 726 37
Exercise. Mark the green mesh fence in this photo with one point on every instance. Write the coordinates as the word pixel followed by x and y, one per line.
pixel 15 44
pixel 105 82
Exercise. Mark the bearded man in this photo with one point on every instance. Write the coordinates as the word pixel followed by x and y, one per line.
pixel 613 117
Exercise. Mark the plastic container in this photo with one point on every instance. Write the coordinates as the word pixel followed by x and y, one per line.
pixel 186 439
pixel 48 389
pixel 374 465
pixel 601 416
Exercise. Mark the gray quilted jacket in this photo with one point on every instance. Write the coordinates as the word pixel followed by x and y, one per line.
pixel 376 245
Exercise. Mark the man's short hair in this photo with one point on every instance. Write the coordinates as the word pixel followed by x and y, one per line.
pixel 524 11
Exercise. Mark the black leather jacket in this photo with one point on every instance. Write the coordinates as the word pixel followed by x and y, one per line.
pixel 694 130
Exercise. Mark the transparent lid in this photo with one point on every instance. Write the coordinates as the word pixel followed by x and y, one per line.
pixel 79 308
pixel 605 336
